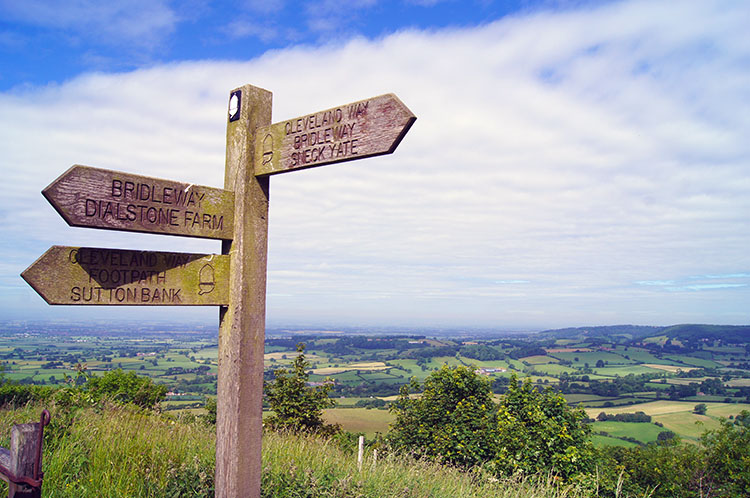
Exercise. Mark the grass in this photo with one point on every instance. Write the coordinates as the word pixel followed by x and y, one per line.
pixel 310 467
pixel 119 452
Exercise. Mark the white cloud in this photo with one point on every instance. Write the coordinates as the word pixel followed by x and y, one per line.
pixel 142 23
pixel 563 170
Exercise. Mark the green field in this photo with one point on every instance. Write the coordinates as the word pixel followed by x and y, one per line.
pixel 678 416
pixel 360 419
pixel 579 359
pixel 187 363
pixel 693 361
pixel 642 431
pixel 554 369
pixel 626 370
pixel 603 441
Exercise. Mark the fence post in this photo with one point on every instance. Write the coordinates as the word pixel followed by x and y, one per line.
pixel 24 440
pixel 361 453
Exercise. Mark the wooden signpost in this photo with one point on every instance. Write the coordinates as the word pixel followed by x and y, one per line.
pixel 361 129
pixel 101 198
pixel 235 280
pixel 88 275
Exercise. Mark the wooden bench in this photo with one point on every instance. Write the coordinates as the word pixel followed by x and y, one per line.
pixel 21 465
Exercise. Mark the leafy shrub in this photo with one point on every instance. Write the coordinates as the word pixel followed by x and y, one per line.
pixel 666 470
pixel 624 417
pixel 124 388
pixel 454 419
pixel 538 432
pixel 20 394
pixel 728 455
pixel 297 406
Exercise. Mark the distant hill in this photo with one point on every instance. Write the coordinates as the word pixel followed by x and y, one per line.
pixel 615 333
pixel 726 333
pixel 629 333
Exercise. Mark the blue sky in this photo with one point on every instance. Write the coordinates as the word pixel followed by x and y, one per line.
pixel 573 163
pixel 46 41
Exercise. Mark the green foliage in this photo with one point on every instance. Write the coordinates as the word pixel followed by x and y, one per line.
pixel 453 420
pixel 719 468
pixel 637 417
pixel 210 407
pixel 297 466
pixel 124 388
pixel 666 470
pixel 20 394
pixel 665 436
pixel 538 432
pixel 297 406
pixel 700 409
pixel 481 352
pixel 728 456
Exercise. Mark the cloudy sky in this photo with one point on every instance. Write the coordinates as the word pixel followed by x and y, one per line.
pixel 573 163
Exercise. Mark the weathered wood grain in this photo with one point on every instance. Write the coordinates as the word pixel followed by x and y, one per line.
pixel 366 128
pixel 98 276
pixel 24 439
pixel 239 423
pixel 101 198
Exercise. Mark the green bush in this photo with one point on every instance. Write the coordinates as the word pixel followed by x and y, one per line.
pixel 453 420
pixel 728 456
pixel 124 388
pixel 666 470
pixel 538 432
pixel 297 406
pixel 20 394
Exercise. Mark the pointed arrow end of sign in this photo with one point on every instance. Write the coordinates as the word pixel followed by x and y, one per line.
pixel 52 192
pixel 36 276
pixel 406 116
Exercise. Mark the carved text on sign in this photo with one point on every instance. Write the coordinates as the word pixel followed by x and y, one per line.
pixel 361 129
pixel 86 275
pixel 100 198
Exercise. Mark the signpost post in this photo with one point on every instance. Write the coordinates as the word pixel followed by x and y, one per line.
pixel 234 280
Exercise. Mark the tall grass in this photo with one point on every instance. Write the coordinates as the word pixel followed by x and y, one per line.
pixel 113 452
pixel 121 452
pixel 303 466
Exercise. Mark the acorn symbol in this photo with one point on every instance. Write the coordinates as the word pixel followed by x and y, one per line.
pixel 267 149
pixel 206 280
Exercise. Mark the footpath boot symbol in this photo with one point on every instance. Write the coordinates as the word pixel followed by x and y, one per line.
pixel 206 280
